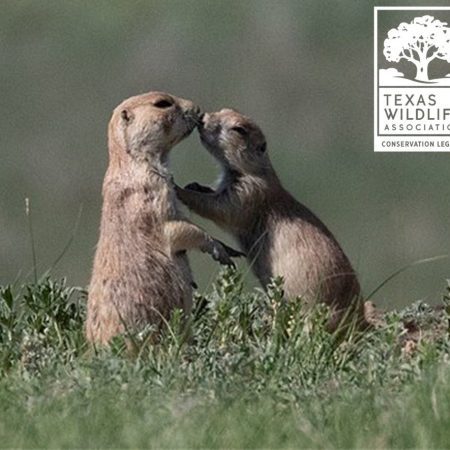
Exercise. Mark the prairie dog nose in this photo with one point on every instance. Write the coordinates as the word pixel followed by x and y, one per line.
pixel 189 107
pixel 204 118
pixel 197 111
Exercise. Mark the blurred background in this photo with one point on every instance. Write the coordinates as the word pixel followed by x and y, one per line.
pixel 302 69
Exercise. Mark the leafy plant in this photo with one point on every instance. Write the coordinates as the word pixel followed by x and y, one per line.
pixel 249 369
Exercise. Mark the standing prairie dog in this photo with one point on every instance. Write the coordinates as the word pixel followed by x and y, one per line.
pixel 279 235
pixel 141 272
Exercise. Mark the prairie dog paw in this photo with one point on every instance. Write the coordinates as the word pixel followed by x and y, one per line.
pixel 223 253
pixel 219 253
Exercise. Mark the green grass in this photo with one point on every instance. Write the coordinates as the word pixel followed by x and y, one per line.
pixel 255 371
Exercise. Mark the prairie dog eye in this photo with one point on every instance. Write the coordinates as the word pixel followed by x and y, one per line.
pixel 164 103
pixel 126 116
pixel 239 130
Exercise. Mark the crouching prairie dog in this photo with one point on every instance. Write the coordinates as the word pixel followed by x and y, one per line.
pixel 141 272
pixel 279 235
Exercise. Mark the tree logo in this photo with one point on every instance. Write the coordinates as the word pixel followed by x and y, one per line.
pixel 418 42
pixel 412 79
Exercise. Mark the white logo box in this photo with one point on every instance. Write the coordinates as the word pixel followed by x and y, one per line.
pixel 412 114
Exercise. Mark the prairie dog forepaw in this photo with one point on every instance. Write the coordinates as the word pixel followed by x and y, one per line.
pixel 222 253
pixel 232 252
pixel 198 188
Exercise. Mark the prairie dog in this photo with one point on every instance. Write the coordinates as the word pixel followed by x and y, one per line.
pixel 279 235
pixel 141 272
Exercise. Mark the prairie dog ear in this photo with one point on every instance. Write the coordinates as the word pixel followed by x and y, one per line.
pixel 127 117
pixel 262 148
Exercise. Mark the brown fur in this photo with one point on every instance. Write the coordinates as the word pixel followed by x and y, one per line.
pixel 141 272
pixel 280 235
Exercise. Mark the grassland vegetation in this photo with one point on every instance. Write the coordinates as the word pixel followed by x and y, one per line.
pixel 254 371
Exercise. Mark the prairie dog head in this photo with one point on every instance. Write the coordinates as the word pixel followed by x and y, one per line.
pixel 235 141
pixel 147 126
